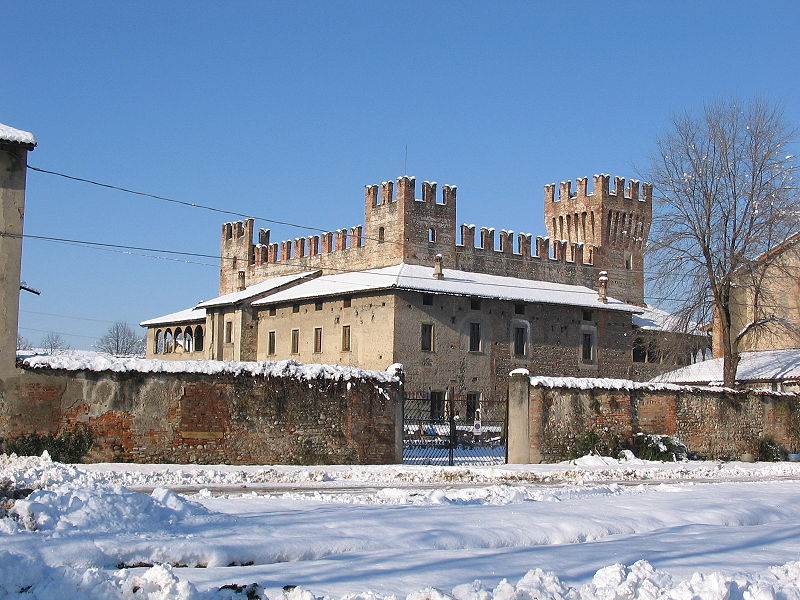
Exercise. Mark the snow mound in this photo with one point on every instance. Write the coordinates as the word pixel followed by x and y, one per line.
pixel 103 509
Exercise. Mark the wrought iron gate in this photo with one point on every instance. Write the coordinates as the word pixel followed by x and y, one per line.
pixel 441 430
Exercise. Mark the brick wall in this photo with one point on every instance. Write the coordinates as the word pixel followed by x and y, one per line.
pixel 714 424
pixel 197 418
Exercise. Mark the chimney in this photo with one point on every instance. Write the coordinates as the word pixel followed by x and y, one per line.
pixel 602 287
pixel 437 267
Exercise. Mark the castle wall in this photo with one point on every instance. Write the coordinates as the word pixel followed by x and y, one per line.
pixel 211 419
pixel 550 422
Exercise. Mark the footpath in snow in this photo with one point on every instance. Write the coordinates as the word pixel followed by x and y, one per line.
pixel 592 528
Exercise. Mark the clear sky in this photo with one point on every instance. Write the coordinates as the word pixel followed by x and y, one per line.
pixel 287 109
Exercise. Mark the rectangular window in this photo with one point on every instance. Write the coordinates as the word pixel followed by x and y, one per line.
pixel 520 337
pixel 519 309
pixel 346 338
pixel 474 337
pixel 427 299
pixel 437 406
pixel 295 341
pixel 473 405
pixel 475 304
pixel 295 308
pixel 317 339
pixel 317 305
pixel 426 337
pixel 587 315
pixel 271 342
pixel 272 311
pixel 346 302
pixel 228 332
pixel 587 348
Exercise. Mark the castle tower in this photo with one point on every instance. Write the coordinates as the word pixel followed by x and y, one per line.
pixel 237 253
pixel 613 225
pixel 403 228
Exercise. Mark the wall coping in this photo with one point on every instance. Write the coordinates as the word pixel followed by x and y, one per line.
pixel 284 368
pixel 608 384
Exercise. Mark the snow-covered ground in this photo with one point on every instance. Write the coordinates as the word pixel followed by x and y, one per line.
pixel 592 528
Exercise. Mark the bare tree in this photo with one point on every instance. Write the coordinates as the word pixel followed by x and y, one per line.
pixel 724 194
pixel 23 343
pixel 54 343
pixel 121 340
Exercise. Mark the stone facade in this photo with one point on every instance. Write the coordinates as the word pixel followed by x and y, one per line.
pixel 546 422
pixel 211 419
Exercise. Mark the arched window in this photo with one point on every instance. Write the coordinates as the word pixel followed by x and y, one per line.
pixel 188 341
pixel 159 342
pixel 431 235
pixel 198 338
pixel 168 343
pixel 179 340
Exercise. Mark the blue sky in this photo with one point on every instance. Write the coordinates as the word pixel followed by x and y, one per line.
pixel 286 110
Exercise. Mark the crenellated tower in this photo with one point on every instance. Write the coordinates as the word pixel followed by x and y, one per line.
pixel 613 224
pixel 408 229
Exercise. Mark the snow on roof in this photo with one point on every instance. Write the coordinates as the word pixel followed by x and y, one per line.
pixel 655 319
pixel 768 365
pixel 257 289
pixel 9 134
pixel 283 368
pixel 457 283
pixel 188 314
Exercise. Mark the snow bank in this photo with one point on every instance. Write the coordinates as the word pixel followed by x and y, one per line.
pixel 284 368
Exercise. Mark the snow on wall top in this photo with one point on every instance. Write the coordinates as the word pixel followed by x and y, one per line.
pixel 257 289
pixel 182 316
pixel 284 368
pixel 9 134
pixel 604 383
pixel 767 365
pixel 458 283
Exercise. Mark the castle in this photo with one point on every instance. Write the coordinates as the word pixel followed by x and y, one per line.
pixel 458 313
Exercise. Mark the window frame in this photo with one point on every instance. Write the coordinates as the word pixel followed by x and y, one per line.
pixel 427 332
pixel 317 340
pixel 475 337
pixel 294 343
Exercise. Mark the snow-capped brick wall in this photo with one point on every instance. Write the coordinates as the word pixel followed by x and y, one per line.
pixel 297 415
pixel 714 423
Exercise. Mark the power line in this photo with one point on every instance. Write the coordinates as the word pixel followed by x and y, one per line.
pixel 172 200
pixel 284 223
pixel 34 312
pixel 89 337
pixel 295 265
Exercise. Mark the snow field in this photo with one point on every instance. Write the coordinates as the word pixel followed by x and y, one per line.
pixel 434 534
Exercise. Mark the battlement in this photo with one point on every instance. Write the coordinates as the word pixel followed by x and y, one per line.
pixel 604 229
pixel 545 248
pixel 600 192
pixel 384 194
